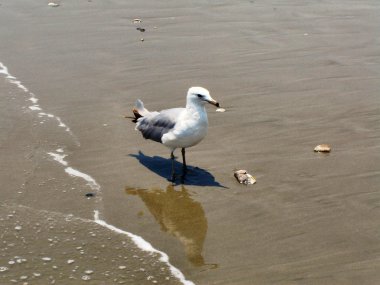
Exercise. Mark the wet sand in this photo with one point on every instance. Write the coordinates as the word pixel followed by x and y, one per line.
pixel 291 75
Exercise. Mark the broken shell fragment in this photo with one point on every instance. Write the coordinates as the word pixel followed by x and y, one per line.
pixel 136 21
pixel 322 148
pixel 220 110
pixel 52 4
pixel 243 177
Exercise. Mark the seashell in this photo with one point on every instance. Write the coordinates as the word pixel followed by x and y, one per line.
pixel 220 110
pixel 136 21
pixel 243 177
pixel 52 4
pixel 322 148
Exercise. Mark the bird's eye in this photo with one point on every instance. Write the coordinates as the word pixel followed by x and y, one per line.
pixel 199 95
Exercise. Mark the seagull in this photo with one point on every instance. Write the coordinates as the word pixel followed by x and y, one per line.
pixel 177 127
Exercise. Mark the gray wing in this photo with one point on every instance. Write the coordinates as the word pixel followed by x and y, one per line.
pixel 154 126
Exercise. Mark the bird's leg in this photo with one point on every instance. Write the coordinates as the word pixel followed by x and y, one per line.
pixel 173 171
pixel 184 166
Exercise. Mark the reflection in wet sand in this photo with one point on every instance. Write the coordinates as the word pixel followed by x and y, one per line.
pixel 178 214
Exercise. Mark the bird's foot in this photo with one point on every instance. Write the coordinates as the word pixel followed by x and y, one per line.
pixel 172 178
pixel 183 176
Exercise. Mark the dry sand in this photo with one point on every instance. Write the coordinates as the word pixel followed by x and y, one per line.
pixel 291 75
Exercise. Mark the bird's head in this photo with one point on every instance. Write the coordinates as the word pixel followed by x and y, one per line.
pixel 199 96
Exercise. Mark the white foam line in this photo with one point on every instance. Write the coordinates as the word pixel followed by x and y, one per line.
pixel 145 246
pixel 59 157
pixel 3 69
pixel 33 99
pixel 11 78
pixel 90 181
pixel 42 114
pixel 35 107
pixel 18 83
pixel 62 125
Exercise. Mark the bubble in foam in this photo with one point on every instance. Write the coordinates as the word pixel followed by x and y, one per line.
pixel 86 277
pixel 20 260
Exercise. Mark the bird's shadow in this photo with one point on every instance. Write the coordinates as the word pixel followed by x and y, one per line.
pixel 162 167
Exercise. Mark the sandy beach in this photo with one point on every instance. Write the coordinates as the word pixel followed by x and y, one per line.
pixel 290 74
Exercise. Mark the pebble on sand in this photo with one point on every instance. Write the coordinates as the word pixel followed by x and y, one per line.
pixel 322 148
pixel 243 177
pixel 220 110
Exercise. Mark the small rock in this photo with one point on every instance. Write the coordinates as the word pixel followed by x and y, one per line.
pixel 322 148
pixel 140 29
pixel 90 194
pixel 220 110
pixel 52 4
pixel 136 21
pixel 244 177
pixel 142 39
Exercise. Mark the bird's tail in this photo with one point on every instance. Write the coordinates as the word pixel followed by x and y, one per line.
pixel 139 110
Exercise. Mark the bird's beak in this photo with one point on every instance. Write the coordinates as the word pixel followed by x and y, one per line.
pixel 213 102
